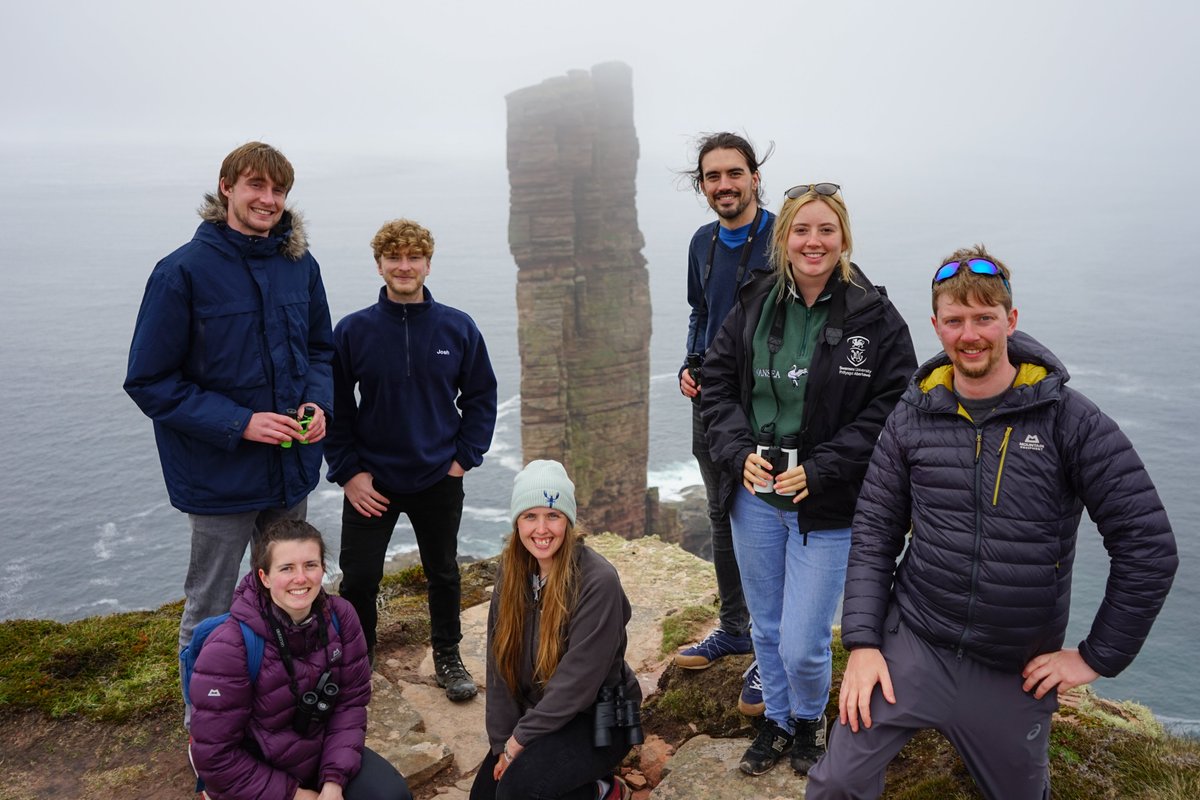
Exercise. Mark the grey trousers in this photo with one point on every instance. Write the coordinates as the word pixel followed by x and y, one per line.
pixel 1001 731
pixel 219 543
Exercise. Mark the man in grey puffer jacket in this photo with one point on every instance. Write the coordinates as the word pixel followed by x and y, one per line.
pixel 989 460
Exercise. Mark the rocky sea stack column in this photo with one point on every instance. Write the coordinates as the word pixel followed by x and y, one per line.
pixel 583 296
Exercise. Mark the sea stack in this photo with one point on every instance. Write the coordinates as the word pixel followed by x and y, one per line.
pixel 583 296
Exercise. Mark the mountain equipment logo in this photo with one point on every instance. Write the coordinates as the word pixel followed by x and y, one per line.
pixel 214 692
pixel 858 350
pixel 1032 442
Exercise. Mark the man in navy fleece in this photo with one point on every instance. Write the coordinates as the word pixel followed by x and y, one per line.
pixel 424 415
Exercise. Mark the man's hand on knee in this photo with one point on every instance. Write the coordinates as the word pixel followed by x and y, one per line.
pixel 865 668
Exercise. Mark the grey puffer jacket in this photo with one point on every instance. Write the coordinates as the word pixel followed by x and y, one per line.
pixel 994 511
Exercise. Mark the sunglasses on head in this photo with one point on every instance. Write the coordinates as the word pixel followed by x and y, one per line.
pixel 980 266
pixel 827 189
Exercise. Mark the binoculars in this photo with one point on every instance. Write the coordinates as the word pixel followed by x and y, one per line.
pixel 614 710
pixel 313 707
pixel 782 456
pixel 305 420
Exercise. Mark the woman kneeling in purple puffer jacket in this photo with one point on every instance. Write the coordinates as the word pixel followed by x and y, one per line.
pixel 266 739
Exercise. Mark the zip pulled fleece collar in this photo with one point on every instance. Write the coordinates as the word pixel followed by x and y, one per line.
pixel 290 234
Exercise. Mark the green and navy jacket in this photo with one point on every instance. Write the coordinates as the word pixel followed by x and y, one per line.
pixel 994 510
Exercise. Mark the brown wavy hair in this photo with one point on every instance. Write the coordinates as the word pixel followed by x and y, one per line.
pixel 966 287
pixel 558 599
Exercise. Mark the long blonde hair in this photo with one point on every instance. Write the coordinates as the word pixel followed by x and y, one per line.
pixel 783 226
pixel 557 600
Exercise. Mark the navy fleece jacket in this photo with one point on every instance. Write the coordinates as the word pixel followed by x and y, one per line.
pixel 427 394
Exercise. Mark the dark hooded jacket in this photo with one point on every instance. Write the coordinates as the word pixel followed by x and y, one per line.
pixel 243 743
pixel 856 376
pixel 994 513
pixel 231 325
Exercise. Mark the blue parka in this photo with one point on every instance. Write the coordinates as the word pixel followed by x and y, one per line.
pixel 231 325
pixel 994 512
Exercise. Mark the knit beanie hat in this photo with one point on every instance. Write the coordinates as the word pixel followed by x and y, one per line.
pixel 543 483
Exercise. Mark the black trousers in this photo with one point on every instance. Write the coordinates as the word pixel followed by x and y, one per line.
pixel 377 780
pixel 435 514
pixel 563 765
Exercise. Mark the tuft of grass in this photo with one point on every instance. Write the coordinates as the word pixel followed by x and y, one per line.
pixel 112 668
pixel 686 625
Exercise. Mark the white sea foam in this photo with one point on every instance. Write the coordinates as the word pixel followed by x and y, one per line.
pixel 508 407
pixel 672 479
pixel 498 515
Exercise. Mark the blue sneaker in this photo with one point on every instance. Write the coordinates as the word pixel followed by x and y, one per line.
pixel 750 702
pixel 716 644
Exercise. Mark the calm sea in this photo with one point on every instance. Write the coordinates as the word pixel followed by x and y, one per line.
pixel 1102 275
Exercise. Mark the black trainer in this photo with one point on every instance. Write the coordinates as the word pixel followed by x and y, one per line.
pixel 809 745
pixel 771 744
pixel 453 676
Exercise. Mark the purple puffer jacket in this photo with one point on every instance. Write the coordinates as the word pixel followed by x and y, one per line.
pixel 232 719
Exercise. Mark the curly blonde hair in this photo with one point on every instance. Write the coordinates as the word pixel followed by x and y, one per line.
pixel 402 237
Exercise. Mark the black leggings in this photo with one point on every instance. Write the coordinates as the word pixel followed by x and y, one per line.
pixel 563 765
pixel 377 780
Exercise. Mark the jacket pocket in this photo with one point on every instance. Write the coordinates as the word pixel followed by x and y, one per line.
pixel 227 352
pixel 293 307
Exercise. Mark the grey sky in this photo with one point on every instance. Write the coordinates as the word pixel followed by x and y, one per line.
pixel 912 80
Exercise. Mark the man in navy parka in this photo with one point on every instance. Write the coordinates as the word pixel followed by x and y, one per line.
pixel 233 336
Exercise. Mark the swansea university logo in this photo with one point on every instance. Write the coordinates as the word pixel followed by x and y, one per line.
pixel 858 350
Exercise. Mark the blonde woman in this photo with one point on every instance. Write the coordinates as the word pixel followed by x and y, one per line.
pixel 802 375
pixel 556 657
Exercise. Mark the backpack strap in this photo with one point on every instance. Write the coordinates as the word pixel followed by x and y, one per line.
pixel 254 651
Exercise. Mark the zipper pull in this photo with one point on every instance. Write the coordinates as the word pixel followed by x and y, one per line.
pixel 978 443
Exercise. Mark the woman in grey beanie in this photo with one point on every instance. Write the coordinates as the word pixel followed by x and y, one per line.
pixel 556 637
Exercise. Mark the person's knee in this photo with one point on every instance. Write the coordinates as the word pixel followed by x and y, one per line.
pixel 827 782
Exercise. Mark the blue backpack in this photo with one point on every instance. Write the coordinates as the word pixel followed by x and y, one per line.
pixel 254 649
pixel 189 654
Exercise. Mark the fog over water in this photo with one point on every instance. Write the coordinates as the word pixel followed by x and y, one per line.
pixel 1061 135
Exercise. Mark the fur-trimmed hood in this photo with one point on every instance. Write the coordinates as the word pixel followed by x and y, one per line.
pixel 290 230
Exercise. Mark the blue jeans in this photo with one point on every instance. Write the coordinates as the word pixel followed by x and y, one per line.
pixel 792 588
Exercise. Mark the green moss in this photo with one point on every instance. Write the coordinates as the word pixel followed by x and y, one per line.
pixel 686 625
pixel 112 668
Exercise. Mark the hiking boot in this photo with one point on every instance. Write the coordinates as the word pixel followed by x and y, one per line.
pixel 715 645
pixel 771 744
pixel 809 745
pixel 750 701
pixel 453 676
